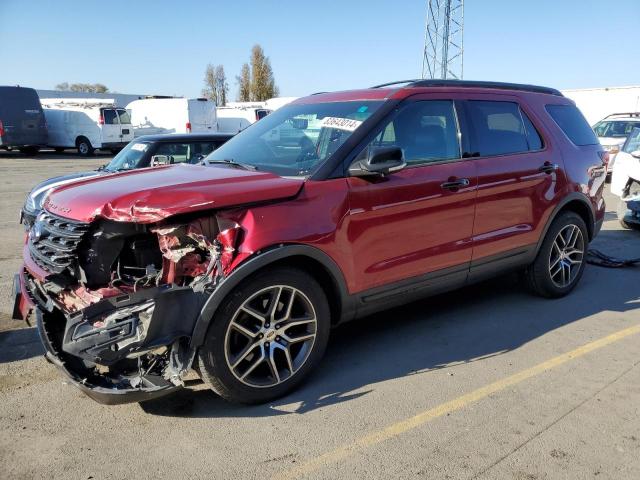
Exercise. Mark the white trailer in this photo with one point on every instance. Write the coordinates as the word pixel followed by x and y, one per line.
pixel 86 124
pixel 597 103
pixel 151 116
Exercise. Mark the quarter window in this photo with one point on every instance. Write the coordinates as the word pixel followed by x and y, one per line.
pixel 426 131
pixel 573 124
pixel 498 128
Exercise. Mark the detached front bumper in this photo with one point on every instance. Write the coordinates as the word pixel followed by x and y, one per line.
pixel 106 349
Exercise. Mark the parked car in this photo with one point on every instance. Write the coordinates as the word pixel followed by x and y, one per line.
pixel 625 181
pixel 613 130
pixel 240 268
pixel 22 123
pixel 86 124
pixel 236 118
pixel 147 151
pixel 157 115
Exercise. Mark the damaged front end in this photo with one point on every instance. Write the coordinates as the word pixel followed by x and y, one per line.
pixel 116 303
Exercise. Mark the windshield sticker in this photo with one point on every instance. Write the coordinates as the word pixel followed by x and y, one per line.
pixel 139 147
pixel 363 109
pixel 347 124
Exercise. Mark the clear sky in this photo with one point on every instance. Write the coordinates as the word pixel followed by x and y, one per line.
pixel 162 47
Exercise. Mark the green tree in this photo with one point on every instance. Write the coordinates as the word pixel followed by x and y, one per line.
pixel 244 84
pixel 263 85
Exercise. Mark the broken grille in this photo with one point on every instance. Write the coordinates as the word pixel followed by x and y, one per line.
pixel 53 241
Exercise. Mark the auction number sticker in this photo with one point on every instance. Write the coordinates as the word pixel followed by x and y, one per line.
pixel 347 124
pixel 139 147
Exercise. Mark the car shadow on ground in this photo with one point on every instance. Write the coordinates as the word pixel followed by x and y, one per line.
pixel 467 325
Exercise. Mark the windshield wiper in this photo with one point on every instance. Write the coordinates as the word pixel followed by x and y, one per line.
pixel 229 162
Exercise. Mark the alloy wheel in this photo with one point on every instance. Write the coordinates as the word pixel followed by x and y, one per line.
pixel 567 255
pixel 270 336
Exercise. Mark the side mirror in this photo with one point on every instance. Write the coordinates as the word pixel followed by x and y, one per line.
pixel 380 161
pixel 158 160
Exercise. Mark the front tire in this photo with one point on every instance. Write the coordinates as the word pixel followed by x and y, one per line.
pixel 560 262
pixel 266 337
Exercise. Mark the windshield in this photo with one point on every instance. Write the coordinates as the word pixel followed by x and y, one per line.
pixel 129 157
pixel 295 139
pixel 633 141
pixel 614 128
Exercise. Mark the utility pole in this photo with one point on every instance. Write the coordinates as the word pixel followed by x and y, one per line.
pixel 443 40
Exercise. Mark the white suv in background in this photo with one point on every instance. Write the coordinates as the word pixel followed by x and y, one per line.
pixel 613 130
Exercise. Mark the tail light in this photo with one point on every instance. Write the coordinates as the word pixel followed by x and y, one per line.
pixel 1 129
pixel 257 116
pixel 188 127
pixel 101 120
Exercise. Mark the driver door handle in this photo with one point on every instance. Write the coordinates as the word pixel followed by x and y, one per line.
pixel 455 184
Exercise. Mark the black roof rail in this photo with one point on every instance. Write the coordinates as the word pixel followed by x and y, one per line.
pixel 475 84
pixel 624 114
pixel 317 93
pixel 382 85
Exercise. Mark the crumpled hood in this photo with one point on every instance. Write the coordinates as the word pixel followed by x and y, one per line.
pixel 150 195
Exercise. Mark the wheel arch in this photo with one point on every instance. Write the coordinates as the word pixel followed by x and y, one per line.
pixel 307 258
pixel 577 203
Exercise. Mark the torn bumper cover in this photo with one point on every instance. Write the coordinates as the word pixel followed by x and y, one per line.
pixel 146 331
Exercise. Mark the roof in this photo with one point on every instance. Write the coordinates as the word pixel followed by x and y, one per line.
pixel 403 88
pixel 185 137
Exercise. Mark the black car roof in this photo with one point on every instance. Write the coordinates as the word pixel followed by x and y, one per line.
pixel 185 137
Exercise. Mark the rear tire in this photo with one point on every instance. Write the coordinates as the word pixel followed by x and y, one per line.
pixel 254 352
pixel 561 260
pixel 84 147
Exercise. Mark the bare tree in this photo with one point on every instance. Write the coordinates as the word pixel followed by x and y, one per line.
pixel 62 86
pixel 216 87
pixel 222 88
pixel 83 87
pixel 244 84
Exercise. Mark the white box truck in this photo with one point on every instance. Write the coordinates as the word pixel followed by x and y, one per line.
pixel 157 115
pixel 86 124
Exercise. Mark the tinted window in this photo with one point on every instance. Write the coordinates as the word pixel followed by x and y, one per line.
pixel 426 132
pixel 573 124
pixel 110 117
pixel 124 116
pixel 497 127
pixel 535 142
pixel 260 114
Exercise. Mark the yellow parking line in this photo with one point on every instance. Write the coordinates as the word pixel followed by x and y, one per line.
pixel 403 426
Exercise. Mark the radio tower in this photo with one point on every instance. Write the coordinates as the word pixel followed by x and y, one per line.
pixel 443 41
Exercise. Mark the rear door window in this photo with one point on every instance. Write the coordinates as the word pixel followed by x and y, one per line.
pixel 573 124
pixel 110 117
pixel 125 118
pixel 498 128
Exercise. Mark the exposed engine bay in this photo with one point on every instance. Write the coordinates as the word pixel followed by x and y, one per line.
pixel 120 300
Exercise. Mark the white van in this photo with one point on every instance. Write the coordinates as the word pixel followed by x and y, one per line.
pixel 86 124
pixel 151 116
pixel 237 116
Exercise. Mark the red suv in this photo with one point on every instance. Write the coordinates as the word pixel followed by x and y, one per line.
pixel 331 208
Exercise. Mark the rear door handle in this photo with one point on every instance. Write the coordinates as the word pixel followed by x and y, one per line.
pixel 548 167
pixel 455 184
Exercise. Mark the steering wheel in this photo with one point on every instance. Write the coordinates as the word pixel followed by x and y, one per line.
pixel 307 150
